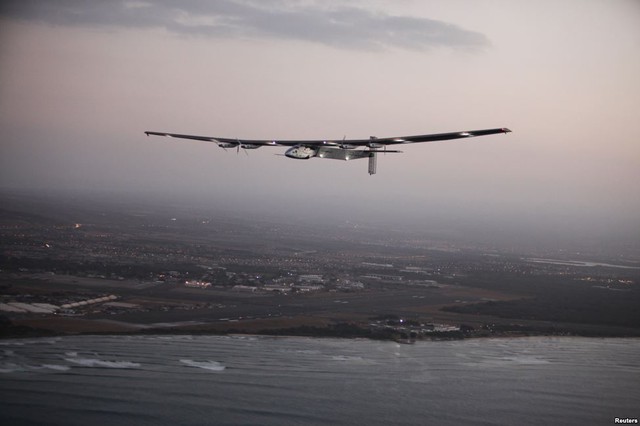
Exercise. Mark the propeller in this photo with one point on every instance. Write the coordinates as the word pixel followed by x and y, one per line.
pixel 238 146
pixel 343 146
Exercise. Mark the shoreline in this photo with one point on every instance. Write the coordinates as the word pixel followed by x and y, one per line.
pixel 298 327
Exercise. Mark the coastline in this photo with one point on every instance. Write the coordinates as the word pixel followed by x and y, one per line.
pixel 299 327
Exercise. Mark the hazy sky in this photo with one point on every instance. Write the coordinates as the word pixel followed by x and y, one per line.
pixel 81 81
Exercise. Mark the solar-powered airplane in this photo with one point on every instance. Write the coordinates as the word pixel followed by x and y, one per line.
pixel 336 149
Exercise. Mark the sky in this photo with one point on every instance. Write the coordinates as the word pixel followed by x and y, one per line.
pixel 81 81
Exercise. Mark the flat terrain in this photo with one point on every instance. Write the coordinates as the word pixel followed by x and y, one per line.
pixel 171 269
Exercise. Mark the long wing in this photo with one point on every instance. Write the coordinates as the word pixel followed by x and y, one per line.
pixel 371 142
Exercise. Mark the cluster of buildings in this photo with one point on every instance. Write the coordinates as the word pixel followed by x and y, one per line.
pixel 411 329
pixel 288 284
pixel 197 284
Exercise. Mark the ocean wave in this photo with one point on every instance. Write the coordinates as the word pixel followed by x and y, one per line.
pixel 100 363
pixel 207 365
pixel 508 361
pixel 530 360
pixel 11 367
pixel 170 338
pixel 25 342
pixel 56 367
pixel 347 358
pixel 243 337
pixel 308 351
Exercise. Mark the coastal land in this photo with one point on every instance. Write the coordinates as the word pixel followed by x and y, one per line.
pixel 70 267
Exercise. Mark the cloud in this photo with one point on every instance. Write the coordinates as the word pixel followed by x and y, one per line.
pixel 349 27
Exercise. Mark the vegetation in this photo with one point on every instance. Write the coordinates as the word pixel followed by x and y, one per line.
pixel 563 301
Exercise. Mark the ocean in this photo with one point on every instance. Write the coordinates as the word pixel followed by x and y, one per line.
pixel 247 380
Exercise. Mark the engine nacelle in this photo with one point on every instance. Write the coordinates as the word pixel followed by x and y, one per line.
pixel 301 152
pixel 242 145
pixel 249 146
pixel 226 145
pixel 373 144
